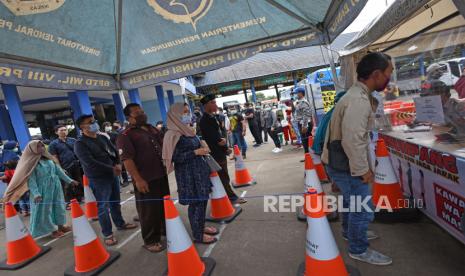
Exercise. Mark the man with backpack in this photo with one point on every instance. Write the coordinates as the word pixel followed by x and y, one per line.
pixel 345 153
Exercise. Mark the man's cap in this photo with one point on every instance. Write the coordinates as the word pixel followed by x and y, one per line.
pixel 207 98
pixel 299 90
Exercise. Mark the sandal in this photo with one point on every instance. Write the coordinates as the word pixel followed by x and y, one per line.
pixel 211 231
pixel 155 248
pixel 207 240
pixel 110 240
pixel 64 229
pixel 128 226
pixel 57 234
pixel 240 201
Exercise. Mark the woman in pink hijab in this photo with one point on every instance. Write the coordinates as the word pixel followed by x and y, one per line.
pixel 183 153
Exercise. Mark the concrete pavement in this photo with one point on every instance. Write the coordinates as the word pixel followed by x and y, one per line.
pixel 259 243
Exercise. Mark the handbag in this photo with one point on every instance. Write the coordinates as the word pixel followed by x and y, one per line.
pixel 337 158
pixel 214 166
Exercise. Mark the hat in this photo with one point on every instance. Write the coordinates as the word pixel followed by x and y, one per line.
pixel 207 98
pixel 299 90
pixel 433 67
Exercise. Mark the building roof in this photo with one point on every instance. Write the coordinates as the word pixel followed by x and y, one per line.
pixel 270 63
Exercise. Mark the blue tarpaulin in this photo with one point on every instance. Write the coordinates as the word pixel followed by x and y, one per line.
pixel 108 44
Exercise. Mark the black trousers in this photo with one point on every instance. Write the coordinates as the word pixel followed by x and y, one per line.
pixel 150 209
pixel 305 135
pixel 274 136
pixel 225 180
pixel 71 191
pixel 255 133
pixel 265 135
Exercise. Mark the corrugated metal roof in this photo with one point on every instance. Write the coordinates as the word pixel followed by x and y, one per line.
pixel 270 63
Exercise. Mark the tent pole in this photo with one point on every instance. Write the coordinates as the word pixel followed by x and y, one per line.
pixel 331 62
pixel 118 41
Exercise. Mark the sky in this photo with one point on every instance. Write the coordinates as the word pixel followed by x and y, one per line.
pixel 372 9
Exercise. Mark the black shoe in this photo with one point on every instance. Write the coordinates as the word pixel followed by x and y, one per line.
pixel 124 184
pixel 244 156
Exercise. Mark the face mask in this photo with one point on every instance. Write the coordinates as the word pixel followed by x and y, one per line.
pixel 94 128
pixel 268 109
pixel 141 119
pixel 385 84
pixel 233 112
pixel 15 150
pixel 159 127
pixel 107 129
pixel 186 119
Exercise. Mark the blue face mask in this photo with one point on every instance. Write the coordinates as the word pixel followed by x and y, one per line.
pixel 186 119
pixel 94 128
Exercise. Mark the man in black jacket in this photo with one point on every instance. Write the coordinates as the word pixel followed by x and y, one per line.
pixel 101 165
pixel 211 133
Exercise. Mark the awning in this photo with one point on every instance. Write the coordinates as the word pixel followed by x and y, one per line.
pixel 404 19
pixel 139 43
pixel 271 63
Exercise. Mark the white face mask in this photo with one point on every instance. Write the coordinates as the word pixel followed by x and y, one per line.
pixel 15 149
pixel 186 119
pixel 107 129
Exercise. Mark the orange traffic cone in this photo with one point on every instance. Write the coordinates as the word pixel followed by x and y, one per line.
pixel 21 249
pixel 320 170
pixel 322 255
pixel 220 206
pixel 243 177
pixel 386 183
pixel 183 258
pixel 89 198
pixel 311 181
pixel 90 256
pixel 387 192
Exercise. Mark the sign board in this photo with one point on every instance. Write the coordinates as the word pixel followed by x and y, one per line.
pixel 429 109
pixel 435 179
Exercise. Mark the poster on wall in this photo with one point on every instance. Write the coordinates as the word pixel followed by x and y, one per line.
pixel 436 180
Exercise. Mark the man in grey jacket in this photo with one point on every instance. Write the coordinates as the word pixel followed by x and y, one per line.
pixel 350 125
pixel 303 116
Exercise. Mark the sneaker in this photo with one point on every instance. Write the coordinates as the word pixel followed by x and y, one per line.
pixel 256 145
pixel 279 150
pixel 275 150
pixel 370 235
pixel 372 257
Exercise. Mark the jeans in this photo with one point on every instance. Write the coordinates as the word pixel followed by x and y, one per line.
pixel 106 191
pixel 24 202
pixel 354 224
pixel 240 141
pixel 295 126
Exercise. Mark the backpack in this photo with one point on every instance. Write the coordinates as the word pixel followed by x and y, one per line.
pixel 320 134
